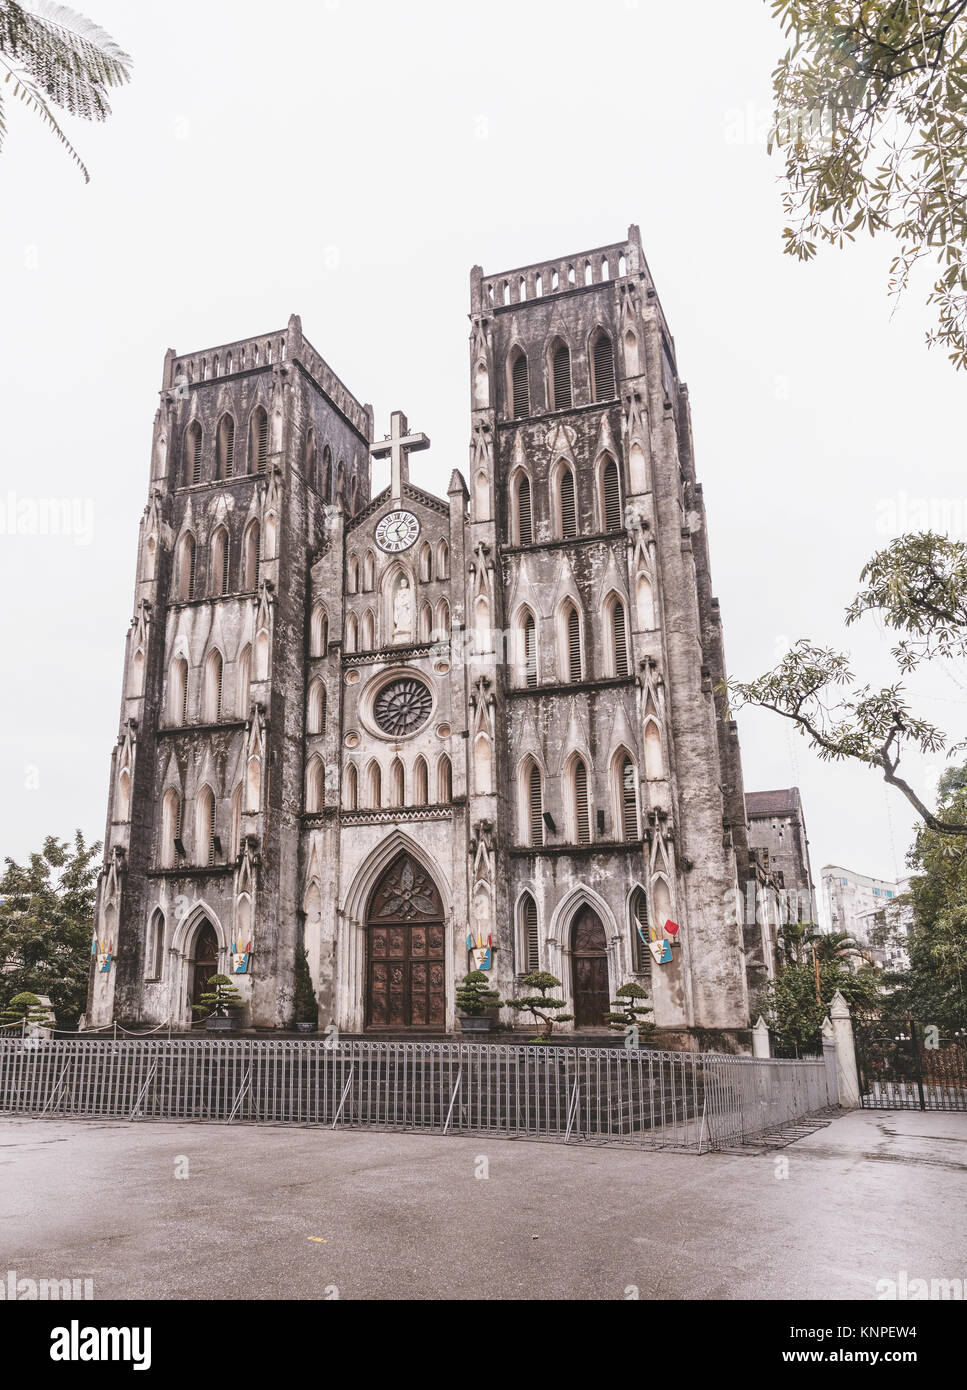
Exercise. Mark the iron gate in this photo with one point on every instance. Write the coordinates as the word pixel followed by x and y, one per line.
pixel 916 1069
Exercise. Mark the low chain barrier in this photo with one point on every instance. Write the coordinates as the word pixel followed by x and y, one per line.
pixel 640 1098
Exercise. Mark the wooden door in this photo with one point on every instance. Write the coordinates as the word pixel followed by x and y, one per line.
pixel 204 961
pixel 589 968
pixel 406 967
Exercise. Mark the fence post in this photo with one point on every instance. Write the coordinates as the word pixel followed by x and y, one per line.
pixel 829 1057
pixel 760 1039
pixel 848 1084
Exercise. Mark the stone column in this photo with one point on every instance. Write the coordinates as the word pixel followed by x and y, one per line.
pixel 829 1057
pixel 760 1039
pixel 846 1075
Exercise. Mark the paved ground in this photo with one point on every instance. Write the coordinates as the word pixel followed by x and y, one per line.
pixel 292 1213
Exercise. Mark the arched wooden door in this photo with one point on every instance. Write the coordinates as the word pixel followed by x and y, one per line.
pixel 204 960
pixel 589 968
pixel 405 965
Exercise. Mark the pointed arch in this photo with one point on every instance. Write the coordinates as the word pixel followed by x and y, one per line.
pixel 309 460
pixel 374 786
pixel 369 572
pixel 122 810
pixel 178 692
pixel 187 550
pixel 170 828
pixel 640 955
pixel 425 623
pixel 521 509
pixel 654 761
pixel 559 394
pixel 426 563
pixel 351 789
pixel 624 782
pixel 616 636
pixel 421 783
pixel 570 641
pixel 525 652
pixel 518 383
pixel 205 826
pixel 315 782
pixel 319 632
pixel 444 780
pixel 441 628
pixel 443 560
pixel 528 934
pixel 235 843
pixel 351 639
pixel 610 500
pixel 397 783
pixel 631 353
pixel 258 440
pixel 253 536
pixel 271 535
pixel 482 765
pixel 564 500
pixel 154 955
pixel 244 697
pixel 645 602
pixel 214 671
pixel 531 796
pixel 316 716
pixel 193 454
pixel 661 897
pixel 481 386
pixel 225 447
pixel 579 810
pixel 481 496
pixel 327 474
pixel 367 631
pixel 602 366
pixel 220 551
pixel 352 575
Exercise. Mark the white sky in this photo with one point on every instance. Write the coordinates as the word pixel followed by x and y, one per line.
pixel 350 161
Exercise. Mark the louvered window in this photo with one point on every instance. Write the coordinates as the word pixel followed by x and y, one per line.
pixel 603 368
pixel 226 447
pixel 521 390
pixel 612 497
pixel 525 526
pixel 620 640
pixel 531 939
pixel 217 672
pixel 640 954
pixel 220 574
pixel 194 454
pixel 568 512
pixel 530 650
pixel 535 806
pixel 582 819
pixel 562 378
pixel 574 645
pixel 629 801
pixel 258 451
pixel 211 826
pixel 184 694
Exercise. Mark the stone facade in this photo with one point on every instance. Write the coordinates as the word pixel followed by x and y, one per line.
pixel 374 726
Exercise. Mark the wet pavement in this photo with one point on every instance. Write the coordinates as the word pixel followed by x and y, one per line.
pixel 165 1210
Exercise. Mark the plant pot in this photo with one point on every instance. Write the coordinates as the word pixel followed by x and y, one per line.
pixel 305 1027
pixel 479 1023
pixel 219 1025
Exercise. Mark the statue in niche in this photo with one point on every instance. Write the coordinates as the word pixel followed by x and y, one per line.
pixel 403 613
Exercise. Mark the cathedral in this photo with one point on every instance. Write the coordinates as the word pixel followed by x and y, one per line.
pixel 415 735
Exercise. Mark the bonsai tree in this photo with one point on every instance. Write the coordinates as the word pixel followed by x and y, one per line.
pixel 306 1008
pixel 27 1010
pixel 220 1000
pixel 475 996
pixel 543 1008
pixel 628 1011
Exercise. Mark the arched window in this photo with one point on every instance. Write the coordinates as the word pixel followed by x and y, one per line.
pixel 602 367
pixel 397 793
pixel 530 945
pixel 443 561
pixel 580 813
pixel 271 535
pixel 526 653
pixel 523 514
pixel 258 441
pixel 368 631
pixel 193 454
pixel 178 691
pixel 327 474
pixel 136 678
pixel 424 623
pixel 317 708
pixel 122 809
pixel 341 480
pixel 640 954
pixel 205 827
pixel 560 377
pixel 611 496
pixel 626 790
pixel 236 840
pixel 314 785
pixel 646 603
pixel 369 573
pixel 442 625
pixel 253 537
pixel 421 784
pixel 566 505
pixel 444 780
pixel 220 569
pixel 374 789
pixel 534 804
pixel 352 575
pixel 319 632
pixel 482 765
pixel 571 635
pixel 225 448
pixel 154 955
pixel 481 496
pixel 351 789
pixel 631 354
pixel 170 829
pixel 519 385
pixel 654 763
pixel 309 459
pixel 426 564
pixel 244 681
pixel 186 568
pixel 618 634
pixel 351 641
pixel 213 687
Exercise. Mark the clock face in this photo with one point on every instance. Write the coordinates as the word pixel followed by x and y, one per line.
pixel 397 531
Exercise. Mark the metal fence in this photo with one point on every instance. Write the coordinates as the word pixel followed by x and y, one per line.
pixel 912 1071
pixel 639 1098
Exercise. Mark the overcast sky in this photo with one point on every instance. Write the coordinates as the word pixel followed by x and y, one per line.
pixel 350 161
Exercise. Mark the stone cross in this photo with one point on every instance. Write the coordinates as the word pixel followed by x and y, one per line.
pixel 397 446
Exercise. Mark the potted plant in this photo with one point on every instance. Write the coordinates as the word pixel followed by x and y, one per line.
pixel 221 1001
pixel 543 1008
pixel 306 1008
pixel 478 1003
pixel 628 1013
